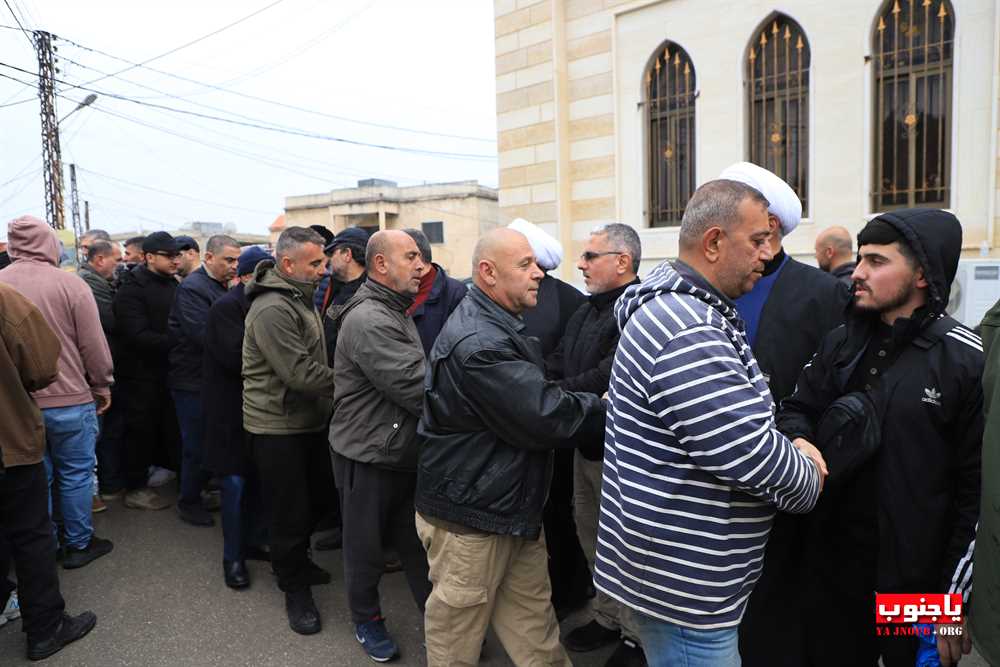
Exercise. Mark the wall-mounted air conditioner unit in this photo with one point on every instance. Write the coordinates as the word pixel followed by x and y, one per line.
pixel 975 289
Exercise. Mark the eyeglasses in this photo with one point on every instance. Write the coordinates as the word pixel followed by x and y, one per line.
pixel 591 256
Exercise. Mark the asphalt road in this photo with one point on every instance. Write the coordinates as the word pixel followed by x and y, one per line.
pixel 160 600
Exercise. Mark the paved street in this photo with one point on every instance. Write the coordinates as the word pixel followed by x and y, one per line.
pixel 160 600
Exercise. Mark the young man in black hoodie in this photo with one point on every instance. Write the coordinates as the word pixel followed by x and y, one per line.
pixel 904 520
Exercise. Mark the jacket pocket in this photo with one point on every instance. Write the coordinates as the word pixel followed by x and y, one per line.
pixel 393 428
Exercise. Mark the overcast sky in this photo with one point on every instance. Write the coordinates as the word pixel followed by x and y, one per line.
pixel 425 67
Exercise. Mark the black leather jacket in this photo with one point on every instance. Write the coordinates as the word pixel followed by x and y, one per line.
pixel 490 422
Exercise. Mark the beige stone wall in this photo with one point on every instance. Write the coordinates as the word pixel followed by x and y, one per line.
pixel 571 131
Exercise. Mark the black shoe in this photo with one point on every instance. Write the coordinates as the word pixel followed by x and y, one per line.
pixel 316 575
pixel 236 574
pixel 69 630
pixel 590 637
pixel 194 515
pixel 96 548
pixel 628 654
pixel 303 617
pixel 333 540
pixel 257 553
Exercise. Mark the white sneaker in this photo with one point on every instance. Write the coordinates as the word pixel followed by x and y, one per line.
pixel 160 476
pixel 12 610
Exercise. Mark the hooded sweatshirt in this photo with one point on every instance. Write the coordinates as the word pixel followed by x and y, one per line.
pixel 67 304
pixel 694 466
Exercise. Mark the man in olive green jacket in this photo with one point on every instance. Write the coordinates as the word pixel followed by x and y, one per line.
pixel 287 398
pixel 984 616
pixel 379 368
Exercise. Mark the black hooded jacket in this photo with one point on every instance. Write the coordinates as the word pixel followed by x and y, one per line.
pixel 925 476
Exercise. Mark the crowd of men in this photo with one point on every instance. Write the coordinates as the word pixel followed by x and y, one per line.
pixel 724 460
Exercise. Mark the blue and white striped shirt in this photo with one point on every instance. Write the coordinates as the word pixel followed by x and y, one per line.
pixel 694 467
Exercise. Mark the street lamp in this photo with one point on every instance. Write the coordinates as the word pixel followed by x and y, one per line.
pixel 87 101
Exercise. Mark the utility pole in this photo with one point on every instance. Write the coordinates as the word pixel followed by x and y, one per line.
pixel 51 154
pixel 74 202
pixel 86 215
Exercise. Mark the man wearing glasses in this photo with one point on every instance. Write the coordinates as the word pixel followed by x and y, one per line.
pixel 142 307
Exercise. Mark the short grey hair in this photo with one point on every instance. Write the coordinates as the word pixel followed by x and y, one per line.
pixel 97 249
pixel 423 244
pixel 99 234
pixel 218 242
pixel 715 203
pixel 624 239
pixel 292 238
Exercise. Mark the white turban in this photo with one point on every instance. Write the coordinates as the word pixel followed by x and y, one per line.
pixel 785 205
pixel 548 251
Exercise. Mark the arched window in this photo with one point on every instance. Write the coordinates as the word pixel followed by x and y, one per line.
pixel 670 95
pixel 777 84
pixel 912 58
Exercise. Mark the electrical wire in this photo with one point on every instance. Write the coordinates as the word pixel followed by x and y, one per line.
pixel 19 24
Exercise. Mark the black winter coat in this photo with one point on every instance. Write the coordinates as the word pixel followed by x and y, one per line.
pixel 222 385
pixel 927 468
pixel 557 301
pixel 490 421
pixel 430 316
pixel 804 305
pixel 142 307
pixel 195 295
pixel 582 361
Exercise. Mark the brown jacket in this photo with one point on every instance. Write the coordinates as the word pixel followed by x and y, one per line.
pixel 29 361
pixel 68 306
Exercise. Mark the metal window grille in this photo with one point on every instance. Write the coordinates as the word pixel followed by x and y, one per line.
pixel 434 231
pixel 913 48
pixel 777 71
pixel 670 96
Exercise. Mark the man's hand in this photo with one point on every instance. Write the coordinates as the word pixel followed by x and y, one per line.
pixel 103 402
pixel 809 450
pixel 952 647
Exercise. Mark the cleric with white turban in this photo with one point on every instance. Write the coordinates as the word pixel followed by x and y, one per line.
pixel 548 251
pixel 785 204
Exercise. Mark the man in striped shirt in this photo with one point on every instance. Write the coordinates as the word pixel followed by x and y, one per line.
pixel 694 467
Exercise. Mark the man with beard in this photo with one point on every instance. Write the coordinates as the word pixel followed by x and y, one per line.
pixel 901 510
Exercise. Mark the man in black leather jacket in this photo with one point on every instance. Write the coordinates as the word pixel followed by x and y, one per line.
pixel 490 422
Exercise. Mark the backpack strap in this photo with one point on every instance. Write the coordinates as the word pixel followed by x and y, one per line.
pixel 936 330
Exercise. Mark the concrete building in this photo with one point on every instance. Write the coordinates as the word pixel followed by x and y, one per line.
pixel 453 215
pixel 614 110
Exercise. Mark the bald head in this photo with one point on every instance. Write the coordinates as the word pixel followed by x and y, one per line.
pixel 833 248
pixel 393 259
pixel 505 269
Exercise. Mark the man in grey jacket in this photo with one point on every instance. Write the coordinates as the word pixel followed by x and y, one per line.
pixel 378 397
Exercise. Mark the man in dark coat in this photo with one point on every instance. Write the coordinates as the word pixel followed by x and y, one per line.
pixel 226 451
pixel 439 294
pixel 557 301
pixel 582 362
pixel 142 307
pixel 195 295
pixel 902 520
pixel 787 313
pixel 835 253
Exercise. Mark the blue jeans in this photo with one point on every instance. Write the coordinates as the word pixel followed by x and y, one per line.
pixel 193 477
pixel 243 521
pixel 71 438
pixel 666 644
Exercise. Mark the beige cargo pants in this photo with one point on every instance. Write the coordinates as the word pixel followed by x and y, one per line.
pixel 480 579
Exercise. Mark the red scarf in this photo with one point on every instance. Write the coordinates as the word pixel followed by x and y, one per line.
pixel 426 283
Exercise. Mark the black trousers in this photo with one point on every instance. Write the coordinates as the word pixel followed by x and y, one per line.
pixel 568 570
pixel 27 531
pixel 151 431
pixel 296 479
pixel 377 508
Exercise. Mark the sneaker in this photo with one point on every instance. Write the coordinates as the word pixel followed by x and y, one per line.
pixel 194 515
pixel 628 654
pixel 97 505
pixel 590 637
pixel 109 496
pixel 375 640
pixel 145 499
pixel 12 610
pixel 96 548
pixel 69 630
pixel 159 476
